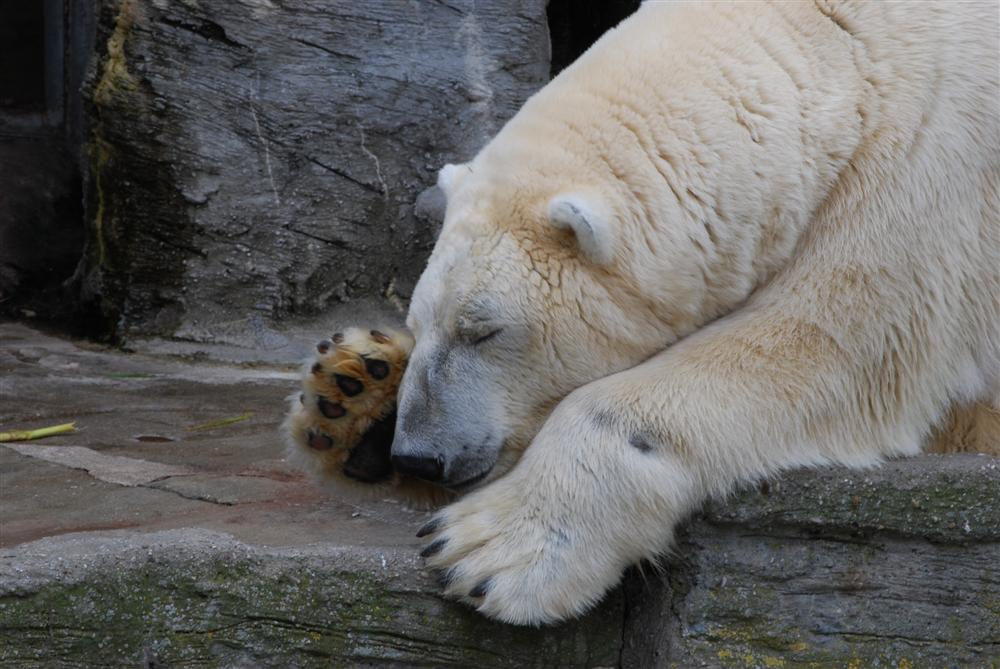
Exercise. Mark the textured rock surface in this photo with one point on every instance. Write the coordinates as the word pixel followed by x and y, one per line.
pixel 187 598
pixel 169 531
pixel 895 567
pixel 255 160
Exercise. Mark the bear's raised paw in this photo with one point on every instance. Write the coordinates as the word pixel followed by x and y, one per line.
pixel 340 426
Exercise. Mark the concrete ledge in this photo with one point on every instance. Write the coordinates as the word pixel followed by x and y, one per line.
pixel 897 567
pixel 183 598
pixel 941 498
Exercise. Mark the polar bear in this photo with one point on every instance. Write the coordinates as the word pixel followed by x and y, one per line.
pixel 728 240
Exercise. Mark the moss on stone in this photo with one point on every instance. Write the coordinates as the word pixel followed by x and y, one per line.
pixel 229 610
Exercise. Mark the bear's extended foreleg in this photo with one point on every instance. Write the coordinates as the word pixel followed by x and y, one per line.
pixel 588 498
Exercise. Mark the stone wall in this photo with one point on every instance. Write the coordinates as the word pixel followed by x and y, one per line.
pixel 253 163
pixel 258 160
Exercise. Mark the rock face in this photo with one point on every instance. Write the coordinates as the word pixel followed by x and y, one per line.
pixel 250 161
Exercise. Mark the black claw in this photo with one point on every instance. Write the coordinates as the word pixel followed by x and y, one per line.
pixel 324 346
pixel 433 548
pixel 481 588
pixel 430 526
pixel 445 578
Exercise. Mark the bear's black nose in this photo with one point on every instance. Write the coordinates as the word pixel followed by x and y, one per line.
pixel 426 467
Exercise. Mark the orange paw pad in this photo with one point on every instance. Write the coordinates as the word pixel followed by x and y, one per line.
pixel 340 427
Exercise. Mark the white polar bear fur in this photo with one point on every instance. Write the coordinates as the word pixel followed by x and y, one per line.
pixel 807 197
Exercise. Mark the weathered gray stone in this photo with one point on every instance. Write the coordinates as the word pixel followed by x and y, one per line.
pixel 186 598
pixel 150 535
pixel 250 161
pixel 895 567
pixel 938 498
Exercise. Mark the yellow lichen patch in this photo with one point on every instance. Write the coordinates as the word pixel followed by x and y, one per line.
pixel 115 74
pixel 114 77
pixel 100 153
pixel 905 664
pixel 771 661
pixel 725 654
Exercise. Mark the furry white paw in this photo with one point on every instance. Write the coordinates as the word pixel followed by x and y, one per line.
pixel 546 542
pixel 515 561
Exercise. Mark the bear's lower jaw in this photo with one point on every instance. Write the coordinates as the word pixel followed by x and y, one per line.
pixel 367 475
pixel 469 482
pixel 369 461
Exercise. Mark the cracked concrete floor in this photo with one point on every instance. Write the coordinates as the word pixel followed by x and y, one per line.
pixel 144 458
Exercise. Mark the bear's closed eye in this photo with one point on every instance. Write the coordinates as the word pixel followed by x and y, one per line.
pixel 486 337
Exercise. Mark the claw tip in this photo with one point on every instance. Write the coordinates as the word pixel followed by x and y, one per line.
pixel 429 527
pixel 434 547
pixel 481 588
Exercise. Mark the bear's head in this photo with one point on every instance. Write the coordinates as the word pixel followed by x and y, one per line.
pixel 533 290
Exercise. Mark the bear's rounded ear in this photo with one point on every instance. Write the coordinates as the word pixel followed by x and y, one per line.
pixel 449 177
pixel 588 221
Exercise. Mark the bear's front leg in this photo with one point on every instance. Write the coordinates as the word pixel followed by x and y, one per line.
pixel 591 495
pixel 623 459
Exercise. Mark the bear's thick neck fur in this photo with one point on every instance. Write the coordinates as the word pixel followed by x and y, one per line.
pixel 713 170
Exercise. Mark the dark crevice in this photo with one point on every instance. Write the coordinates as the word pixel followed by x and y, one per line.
pixel 344 175
pixel 46 45
pixel 207 29
pixel 313 45
pixel 339 243
pixel 576 24
pixel 191 496
pixel 22 68
pixel 654 593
